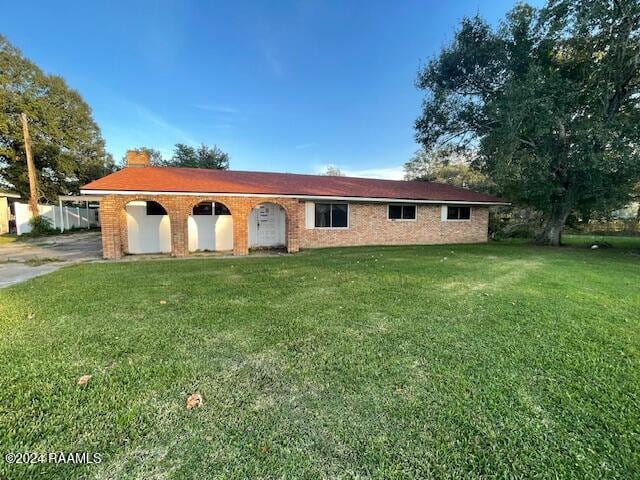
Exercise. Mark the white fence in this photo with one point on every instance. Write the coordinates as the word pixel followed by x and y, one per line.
pixel 61 218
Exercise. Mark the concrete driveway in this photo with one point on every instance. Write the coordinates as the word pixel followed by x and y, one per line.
pixel 28 258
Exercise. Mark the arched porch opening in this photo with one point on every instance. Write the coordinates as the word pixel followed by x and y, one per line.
pixel 210 228
pixel 148 227
pixel 267 226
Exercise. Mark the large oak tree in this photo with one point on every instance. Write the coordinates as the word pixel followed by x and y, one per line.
pixel 68 148
pixel 549 102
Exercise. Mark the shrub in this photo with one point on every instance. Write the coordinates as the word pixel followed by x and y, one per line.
pixel 40 226
pixel 513 222
pixel 520 230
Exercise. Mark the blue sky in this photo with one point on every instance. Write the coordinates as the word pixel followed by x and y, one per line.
pixel 289 86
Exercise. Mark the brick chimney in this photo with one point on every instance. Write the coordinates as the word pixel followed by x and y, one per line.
pixel 136 158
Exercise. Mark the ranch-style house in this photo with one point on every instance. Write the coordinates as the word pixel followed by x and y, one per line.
pixel 148 209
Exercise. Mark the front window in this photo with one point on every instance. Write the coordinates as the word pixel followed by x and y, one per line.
pixel 458 213
pixel 402 212
pixel 331 215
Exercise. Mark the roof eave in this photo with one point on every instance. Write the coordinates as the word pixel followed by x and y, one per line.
pixel 86 191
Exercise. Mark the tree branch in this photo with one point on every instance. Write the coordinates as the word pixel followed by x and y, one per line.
pixel 527 142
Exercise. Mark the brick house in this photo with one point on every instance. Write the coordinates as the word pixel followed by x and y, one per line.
pixel 146 209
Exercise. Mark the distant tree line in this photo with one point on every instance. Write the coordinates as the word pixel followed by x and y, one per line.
pixel 333 171
pixel 447 166
pixel 189 157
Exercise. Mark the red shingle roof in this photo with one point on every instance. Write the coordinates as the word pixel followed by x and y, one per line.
pixel 195 180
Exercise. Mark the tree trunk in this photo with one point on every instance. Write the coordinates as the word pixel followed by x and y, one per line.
pixel 31 169
pixel 553 226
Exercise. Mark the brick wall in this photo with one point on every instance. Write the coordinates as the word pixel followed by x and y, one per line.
pixel 368 225
pixel 114 220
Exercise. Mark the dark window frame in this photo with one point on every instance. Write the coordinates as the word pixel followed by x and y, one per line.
pixel 459 215
pixel 403 207
pixel 331 209
pixel 202 209
pixel 220 209
pixel 152 209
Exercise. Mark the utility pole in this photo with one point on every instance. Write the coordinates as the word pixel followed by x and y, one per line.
pixel 31 169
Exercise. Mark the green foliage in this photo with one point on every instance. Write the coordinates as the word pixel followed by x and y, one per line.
pixel 200 157
pixel 67 146
pixel 514 222
pixel 333 171
pixel 40 225
pixel 155 157
pixel 445 166
pixel 548 100
pixel 443 362
pixel 187 156
pixel 38 261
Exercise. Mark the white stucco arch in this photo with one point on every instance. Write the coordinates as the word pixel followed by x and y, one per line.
pixel 211 231
pixel 147 233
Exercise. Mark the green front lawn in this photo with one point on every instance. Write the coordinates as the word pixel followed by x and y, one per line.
pixel 7 238
pixel 500 360
pixel 613 240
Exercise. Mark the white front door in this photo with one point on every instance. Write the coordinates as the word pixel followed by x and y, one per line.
pixel 267 226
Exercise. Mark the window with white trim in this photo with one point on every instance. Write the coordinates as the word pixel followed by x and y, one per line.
pixel 458 213
pixel 331 215
pixel 401 212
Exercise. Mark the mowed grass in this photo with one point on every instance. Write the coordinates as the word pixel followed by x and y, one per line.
pixel 7 238
pixel 616 241
pixel 493 361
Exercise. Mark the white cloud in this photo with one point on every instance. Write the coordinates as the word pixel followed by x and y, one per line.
pixel 160 122
pixel 385 173
pixel 388 173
